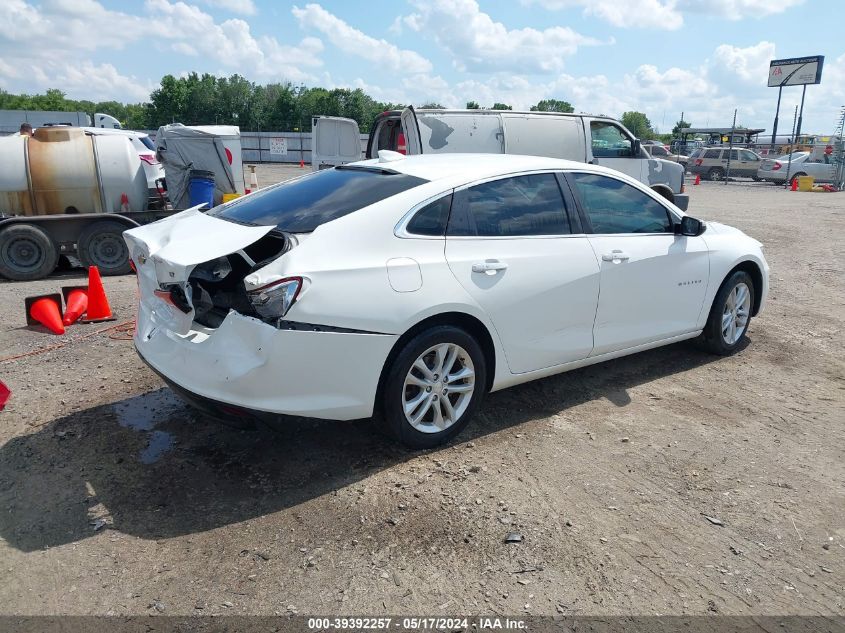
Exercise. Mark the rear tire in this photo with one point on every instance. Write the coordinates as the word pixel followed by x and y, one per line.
pixel 101 244
pixel 717 173
pixel 730 315
pixel 433 387
pixel 26 253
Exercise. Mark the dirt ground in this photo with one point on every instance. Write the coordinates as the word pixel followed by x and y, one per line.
pixel 116 498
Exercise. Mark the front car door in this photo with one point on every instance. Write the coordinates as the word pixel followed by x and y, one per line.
pixel 652 281
pixel 515 246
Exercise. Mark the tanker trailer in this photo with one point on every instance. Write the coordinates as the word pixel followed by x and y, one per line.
pixel 64 192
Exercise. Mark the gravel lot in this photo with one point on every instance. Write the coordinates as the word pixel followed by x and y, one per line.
pixel 118 499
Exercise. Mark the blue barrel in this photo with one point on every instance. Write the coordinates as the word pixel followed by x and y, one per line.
pixel 201 187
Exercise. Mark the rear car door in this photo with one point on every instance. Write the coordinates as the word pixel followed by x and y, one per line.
pixel 652 281
pixel 335 141
pixel 515 246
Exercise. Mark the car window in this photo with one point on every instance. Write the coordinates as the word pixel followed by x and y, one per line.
pixel 301 205
pixel 510 207
pixel 657 150
pixel 746 155
pixel 609 141
pixel 713 153
pixel 432 218
pixel 616 207
pixel 147 142
pixel 734 154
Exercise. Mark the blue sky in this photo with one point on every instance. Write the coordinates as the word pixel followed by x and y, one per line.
pixel 662 57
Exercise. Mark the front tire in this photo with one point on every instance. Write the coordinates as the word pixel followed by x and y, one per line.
pixel 717 173
pixel 730 315
pixel 433 387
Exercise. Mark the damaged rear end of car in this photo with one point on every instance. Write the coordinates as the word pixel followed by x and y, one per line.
pixel 215 290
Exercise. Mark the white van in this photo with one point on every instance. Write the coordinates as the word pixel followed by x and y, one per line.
pixel 580 137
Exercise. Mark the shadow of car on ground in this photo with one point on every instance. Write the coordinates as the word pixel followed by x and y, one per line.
pixel 161 469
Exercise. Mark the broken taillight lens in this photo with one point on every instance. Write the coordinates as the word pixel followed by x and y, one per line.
pixel 273 300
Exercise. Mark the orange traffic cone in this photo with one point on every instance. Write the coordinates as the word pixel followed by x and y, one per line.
pixel 697 179
pixel 794 186
pixel 301 163
pixel 98 304
pixel 45 310
pixel 76 303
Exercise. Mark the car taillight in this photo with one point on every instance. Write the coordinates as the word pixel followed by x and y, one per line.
pixel 150 159
pixel 698 162
pixel 273 300
pixel 776 166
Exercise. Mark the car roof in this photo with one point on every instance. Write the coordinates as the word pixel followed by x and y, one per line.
pixel 106 130
pixel 470 167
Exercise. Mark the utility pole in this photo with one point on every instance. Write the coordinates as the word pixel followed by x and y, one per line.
pixel 792 148
pixel 775 126
pixel 730 149
pixel 800 116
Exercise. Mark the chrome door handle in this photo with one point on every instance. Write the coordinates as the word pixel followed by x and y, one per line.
pixel 491 267
pixel 615 256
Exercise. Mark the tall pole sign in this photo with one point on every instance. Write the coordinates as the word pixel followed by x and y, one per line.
pixel 797 71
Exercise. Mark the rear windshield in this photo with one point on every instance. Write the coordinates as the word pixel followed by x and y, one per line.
pixel 147 142
pixel 301 205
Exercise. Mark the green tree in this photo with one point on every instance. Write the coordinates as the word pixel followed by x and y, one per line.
pixel 680 125
pixel 473 105
pixel 638 124
pixel 501 106
pixel 433 105
pixel 552 105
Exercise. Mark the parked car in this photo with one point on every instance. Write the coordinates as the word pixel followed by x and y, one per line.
pixel 582 137
pixel 146 149
pixel 660 151
pixel 775 170
pixel 408 287
pixel 712 163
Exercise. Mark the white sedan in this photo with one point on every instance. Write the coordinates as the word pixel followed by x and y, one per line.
pixel 408 287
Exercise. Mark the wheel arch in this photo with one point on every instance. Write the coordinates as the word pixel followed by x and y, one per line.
pixel 753 269
pixel 472 325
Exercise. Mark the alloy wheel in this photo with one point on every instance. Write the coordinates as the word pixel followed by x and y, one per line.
pixel 438 388
pixel 736 313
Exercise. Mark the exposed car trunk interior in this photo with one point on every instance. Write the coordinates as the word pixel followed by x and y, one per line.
pixel 217 285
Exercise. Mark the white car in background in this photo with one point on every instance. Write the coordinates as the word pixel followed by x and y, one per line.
pixel 408 287
pixel 146 149
pixel 800 164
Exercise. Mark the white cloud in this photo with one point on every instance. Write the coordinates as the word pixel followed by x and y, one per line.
pixel 624 14
pixel 352 41
pixel 750 64
pixel 477 43
pixel 667 14
pixel 230 43
pixel 738 9
pixel 241 7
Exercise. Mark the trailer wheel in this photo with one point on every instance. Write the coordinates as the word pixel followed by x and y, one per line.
pixel 101 244
pixel 26 253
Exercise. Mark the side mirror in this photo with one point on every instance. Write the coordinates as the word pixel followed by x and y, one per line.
pixel 691 226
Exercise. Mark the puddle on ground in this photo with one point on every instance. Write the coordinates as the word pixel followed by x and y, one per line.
pixel 143 413
pixel 160 443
